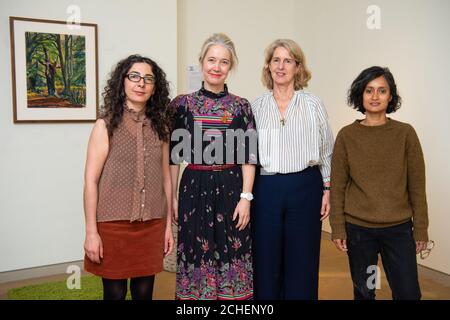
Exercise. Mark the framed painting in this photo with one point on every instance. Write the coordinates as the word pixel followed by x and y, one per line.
pixel 54 71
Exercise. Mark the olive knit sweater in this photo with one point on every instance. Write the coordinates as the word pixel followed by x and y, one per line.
pixel 378 178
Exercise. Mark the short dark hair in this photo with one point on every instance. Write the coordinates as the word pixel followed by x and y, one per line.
pixel 356 91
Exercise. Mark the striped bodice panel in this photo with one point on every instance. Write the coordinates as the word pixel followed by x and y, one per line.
pixel 213 125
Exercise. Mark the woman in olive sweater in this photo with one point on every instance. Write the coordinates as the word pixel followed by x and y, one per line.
pixel 378 200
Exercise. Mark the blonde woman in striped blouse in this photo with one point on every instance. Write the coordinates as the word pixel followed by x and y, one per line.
pixel 295 144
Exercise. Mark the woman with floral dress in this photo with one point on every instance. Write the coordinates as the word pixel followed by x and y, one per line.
pixel 213 133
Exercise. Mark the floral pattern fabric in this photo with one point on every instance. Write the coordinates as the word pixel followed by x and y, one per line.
pixel 212 114
pixel 213 257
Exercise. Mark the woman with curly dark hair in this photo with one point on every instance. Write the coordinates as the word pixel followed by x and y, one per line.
pixel 128 192
pixel 378 200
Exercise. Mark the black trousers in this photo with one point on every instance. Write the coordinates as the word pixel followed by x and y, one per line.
pixel 397 248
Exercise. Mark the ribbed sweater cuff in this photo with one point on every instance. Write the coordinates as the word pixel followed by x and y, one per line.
pixel 338 231
pixel 420 234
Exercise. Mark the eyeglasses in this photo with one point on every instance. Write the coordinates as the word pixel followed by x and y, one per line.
pixel 426 252
pixel 135 77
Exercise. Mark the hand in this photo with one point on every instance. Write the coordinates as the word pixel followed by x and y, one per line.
pixel 325 210
pixel 168 241
pixel 420 246
pixel 341 244
pixel 175 211
pixel 93 247
pixel 243 211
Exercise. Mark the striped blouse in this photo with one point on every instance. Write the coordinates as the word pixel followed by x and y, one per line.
pixel 303 139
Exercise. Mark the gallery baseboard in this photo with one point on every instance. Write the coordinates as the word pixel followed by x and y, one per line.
pixel 49 270
pixel 38 272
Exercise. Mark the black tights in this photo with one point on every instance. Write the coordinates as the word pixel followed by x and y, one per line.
pixel 141 288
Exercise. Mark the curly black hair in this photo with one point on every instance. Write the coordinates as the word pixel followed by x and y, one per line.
pixel 356 91
pixel 156 108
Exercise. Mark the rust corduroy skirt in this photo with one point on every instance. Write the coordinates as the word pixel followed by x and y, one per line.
pixel 129 249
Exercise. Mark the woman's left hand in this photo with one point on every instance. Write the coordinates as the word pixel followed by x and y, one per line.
pixel 325 210
pixel 420 246
pixel 243 211
pixel 168 241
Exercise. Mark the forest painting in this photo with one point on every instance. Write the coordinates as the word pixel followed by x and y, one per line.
pixel 54 71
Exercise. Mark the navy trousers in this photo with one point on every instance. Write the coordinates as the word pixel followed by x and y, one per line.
pixel 286 231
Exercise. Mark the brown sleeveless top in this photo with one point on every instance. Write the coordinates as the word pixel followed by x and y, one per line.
pixel 131 184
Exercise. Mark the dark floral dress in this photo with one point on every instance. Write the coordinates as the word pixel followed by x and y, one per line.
pixel 214 258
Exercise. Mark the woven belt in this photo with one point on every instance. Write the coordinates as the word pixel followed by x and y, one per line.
pixel 210 168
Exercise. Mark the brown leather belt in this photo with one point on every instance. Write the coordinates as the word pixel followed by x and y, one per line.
pixel 219 167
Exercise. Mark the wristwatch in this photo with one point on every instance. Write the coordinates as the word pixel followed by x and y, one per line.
pixel 247 195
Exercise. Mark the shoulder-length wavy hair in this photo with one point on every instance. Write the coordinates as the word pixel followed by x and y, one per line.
pixel 303 74
pixel 156 108
pixel 356 91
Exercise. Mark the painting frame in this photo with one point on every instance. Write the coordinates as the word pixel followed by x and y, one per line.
pixel 83 102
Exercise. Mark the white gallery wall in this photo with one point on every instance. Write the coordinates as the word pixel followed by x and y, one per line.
pixel 411 41
pixel 41 165
pixel 251 24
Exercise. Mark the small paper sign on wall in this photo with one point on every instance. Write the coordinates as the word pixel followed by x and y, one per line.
pixel 194 78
